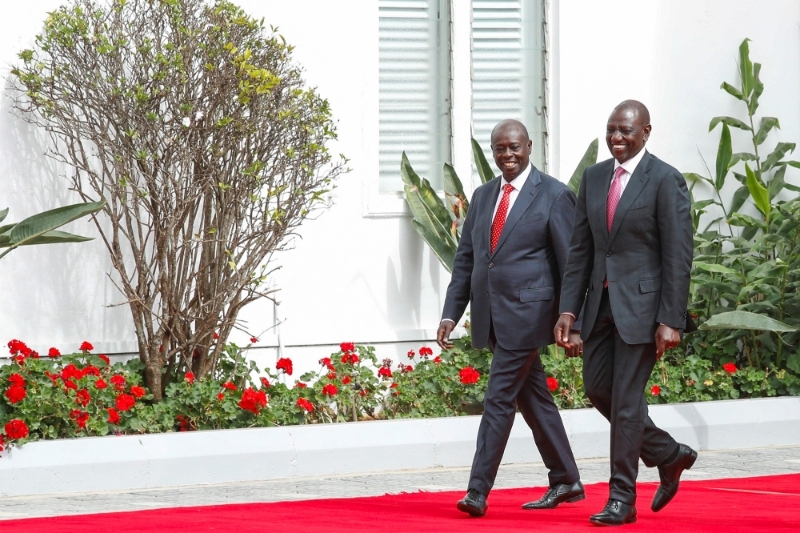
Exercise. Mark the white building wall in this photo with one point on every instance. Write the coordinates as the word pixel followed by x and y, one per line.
pixel 360 273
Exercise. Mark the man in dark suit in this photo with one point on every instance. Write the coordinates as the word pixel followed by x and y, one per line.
pixel 509 265
pixel 629 261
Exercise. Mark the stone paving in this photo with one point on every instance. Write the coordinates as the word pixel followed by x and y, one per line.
pixel 710 465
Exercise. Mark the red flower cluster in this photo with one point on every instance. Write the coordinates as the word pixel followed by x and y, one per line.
pixel 285 364
pixel 80 417
pixel 228 385
pixel 53 352
pixel 184 423
pixel 189 377
pixel 384 372
pixel 253 400
pixel 100 384
pixel 113 415
pixel 90 370
pixel 300 385
pixel 16 379
pixel 118 381
pixel 425 351
pixel 16 429
pixel 86 347
pixel 265 383
pixel 125 402
pixel 345 380
pixel 105 359
pixel 330 390
pixel 331 375
pixel 411 354
pixel 468 375
pixel 82 397
pixel 552 384
pixel 655 390
pixel 17 347
pixel 347 347
pixel 350 359
pixel 404 368
pixel 730 368
pixel 138 391
pixel 437 359
pixel 15 393
pixel 253 340
pixel 326 362
pixel 305 405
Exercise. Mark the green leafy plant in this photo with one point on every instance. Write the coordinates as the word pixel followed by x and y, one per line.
pixel 747 265
pixel 439 221
pixel 42 227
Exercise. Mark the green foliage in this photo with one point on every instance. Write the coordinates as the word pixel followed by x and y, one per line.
pixel 439 222
pixel 41 228
pixel 746 268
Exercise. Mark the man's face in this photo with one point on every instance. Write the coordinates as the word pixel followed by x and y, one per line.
pixel 625 134
pixel 512 149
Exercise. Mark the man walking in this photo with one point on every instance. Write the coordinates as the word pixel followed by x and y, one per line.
pixel 509 265
pixel 632 251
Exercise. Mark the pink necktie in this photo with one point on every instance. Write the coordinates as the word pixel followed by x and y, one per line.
pixel 500 217
pixel 614 192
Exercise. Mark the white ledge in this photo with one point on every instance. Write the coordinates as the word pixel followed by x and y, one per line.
pixel 92 464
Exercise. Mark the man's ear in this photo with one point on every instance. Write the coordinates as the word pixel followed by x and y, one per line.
pixel 647 130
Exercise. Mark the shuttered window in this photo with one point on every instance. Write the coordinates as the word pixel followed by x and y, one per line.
pixel 507 70
pixel 414 89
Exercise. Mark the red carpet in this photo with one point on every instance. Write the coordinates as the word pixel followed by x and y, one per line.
pixel 729 505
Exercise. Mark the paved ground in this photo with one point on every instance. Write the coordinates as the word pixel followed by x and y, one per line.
pixel 710 465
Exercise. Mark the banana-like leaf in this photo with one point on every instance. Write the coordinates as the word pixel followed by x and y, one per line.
pixel 589 158
pixel 51 237
pixel 457 201
pixel 3 214
pixel 777 183
pixel 746 320
pixel 730 121
pixel 767 123
pixel 484 169
pixel 713 267
pixel 746 68
pixel 781 149
pixel 758 88
pixel 39 224
pixel 739 197
pixel 758 192
pixel 444 249
pixel 733 91
pixel 724 154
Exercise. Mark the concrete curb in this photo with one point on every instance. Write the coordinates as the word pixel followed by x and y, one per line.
pixel 177 459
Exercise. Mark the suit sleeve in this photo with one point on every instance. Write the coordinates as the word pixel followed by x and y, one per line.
pixel 580 260
pixel 458 290
pixel 561 220
pixel 675 230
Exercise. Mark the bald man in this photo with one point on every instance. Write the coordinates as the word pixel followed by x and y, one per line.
pixel 508 266
pixel 629 261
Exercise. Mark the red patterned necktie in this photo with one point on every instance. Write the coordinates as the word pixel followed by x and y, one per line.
pixel 500 217
pixel 613 196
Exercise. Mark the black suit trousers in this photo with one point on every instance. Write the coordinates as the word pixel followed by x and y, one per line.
pixel 517 379
pixel 615 375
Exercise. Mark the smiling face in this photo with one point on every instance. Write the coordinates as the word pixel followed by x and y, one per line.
pixel 511 148
pixel 626 133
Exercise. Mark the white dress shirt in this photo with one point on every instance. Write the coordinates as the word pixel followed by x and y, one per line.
pixel 630 167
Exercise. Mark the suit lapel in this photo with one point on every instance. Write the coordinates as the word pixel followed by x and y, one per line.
pixel 631 192
pixel 526 196
pixel 485 221
pixel 601 196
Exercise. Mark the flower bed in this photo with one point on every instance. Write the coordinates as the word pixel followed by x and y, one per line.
pixel 83 394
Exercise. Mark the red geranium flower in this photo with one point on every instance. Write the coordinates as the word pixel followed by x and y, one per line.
pixel 331 375
pixel 90 370
pixel 2 443
pixel 730 368
pixel 326 362
pixel 425 351
pixel 347 347
pixel 394 386
pixel 345 380
pixel 300 385
pixel 138 391
pixel 189 377
pixel 118 381
pixel 285 364
pixel 330 390
pixel 655 390
pixel 468 375
pixel 82 397
pixel 80 417
pixel 100 384
pixel 69 384
pixel 253 400
pixel 125 401
pixel 16 429
pixel 384 372
pixel 16 346
pixel 53 352
pixel 216 335
pixel 265 382
pixel 71 372
pixel 53 377
pixel 86 347
pixel 113 415
pixel 15 394
pixel 437 359
pixel 16 379
pixel 411 354
pixel 105 358
pixel 350 358
pixel 253 340
pixel 228 385
pixel 220 396
pixel 552 384
pixel 305 405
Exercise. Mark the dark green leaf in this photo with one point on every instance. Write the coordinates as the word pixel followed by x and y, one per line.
pixel 781 149
pixel 589 158
pixel 484 169
pixel 3 214
pixel 39 224
pixel 733 91
pixel 741 156
pixel 767 123
pixel 730 121
pixel 51 237
pixel 758 88
pixel 776 184
pixel 746 68
pixel 724 153
pixel 745 320
pixel 739 198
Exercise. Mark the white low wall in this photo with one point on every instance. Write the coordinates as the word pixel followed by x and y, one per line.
pixel 204 457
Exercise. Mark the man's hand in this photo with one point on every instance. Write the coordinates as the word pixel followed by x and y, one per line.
pixel 577 344
pixel 443 335
pixel 562 330
pixel 666 338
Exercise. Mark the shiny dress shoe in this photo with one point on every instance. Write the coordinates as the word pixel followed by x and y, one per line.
pixel 473 503
pixel 558 494
pixel 670 475
pixel 615 513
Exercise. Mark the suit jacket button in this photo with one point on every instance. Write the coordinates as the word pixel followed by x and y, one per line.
pixel 608 254
pixel 491 265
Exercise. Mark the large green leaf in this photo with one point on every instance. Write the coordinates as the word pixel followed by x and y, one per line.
pixel 444 249
pixel 758 192
pixel 714 267
pixel 777 183
pixel 724 153
pixel 39 224
pixel 758 88
pixel 589 158
pixel 51 237
pixel 3 214
pixel 767 123
pixel 484 169
pixel 746 68
pixel 733 91
pixel 746 320
pixel 739 197
pixel 730 121
pixel 781 149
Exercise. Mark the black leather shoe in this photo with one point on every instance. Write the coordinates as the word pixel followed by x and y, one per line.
pixel 558 494
pixel 473 503
pixel 670 475
pixel 615 513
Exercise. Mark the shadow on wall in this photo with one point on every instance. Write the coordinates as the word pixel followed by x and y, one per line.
pixel 54 293
pixel 403 292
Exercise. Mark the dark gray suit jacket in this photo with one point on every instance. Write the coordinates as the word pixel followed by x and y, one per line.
pixel 647 256
pixel 517 286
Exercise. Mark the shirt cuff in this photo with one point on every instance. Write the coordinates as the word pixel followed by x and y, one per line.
pixel 447 319
pixel 570 314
